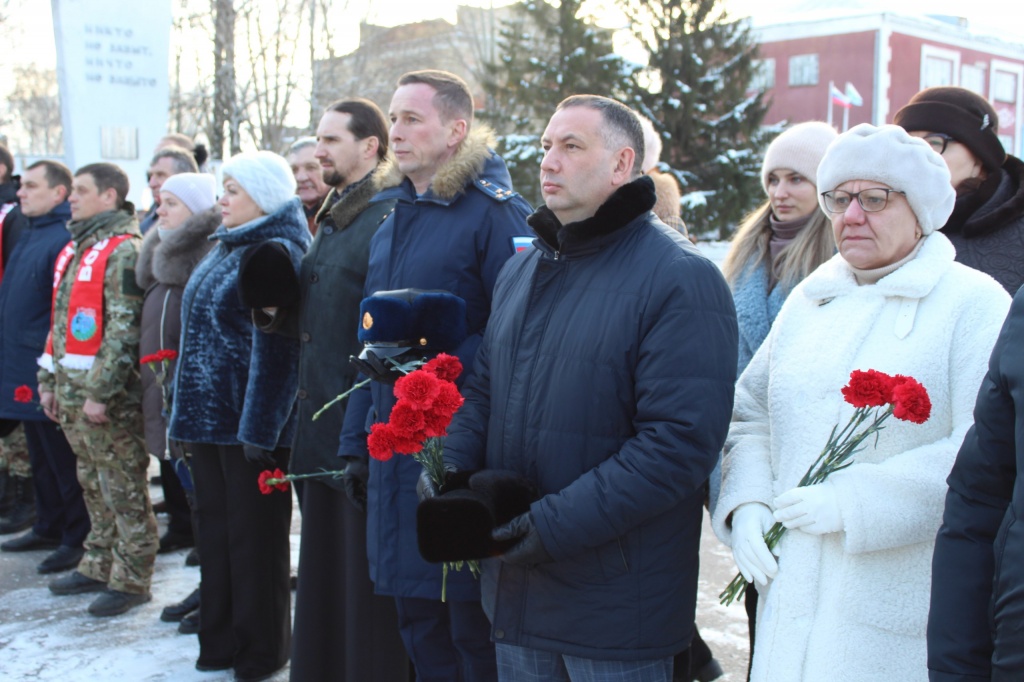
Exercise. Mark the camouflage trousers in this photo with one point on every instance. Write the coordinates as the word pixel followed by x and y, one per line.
pixel 14 453
pixel 112 462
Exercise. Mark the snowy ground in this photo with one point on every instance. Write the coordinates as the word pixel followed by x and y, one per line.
pixel 44 637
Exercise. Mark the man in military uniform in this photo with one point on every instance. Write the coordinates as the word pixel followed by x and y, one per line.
pixel 89 383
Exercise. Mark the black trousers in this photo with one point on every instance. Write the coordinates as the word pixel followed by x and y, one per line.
pixel 343 631
pixel 245 618
pixel 179 514
pixel 60 509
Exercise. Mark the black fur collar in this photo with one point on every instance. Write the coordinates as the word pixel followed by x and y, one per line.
pixel 622 207
pixel 1003 206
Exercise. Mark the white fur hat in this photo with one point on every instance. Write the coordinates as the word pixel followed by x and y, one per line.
pixel 799 148
pixel 887 154
pixel 198 191
pixel 265 176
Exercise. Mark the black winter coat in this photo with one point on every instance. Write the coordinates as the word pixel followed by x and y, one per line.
pixel 331 283
pixel 606 376
pixel 977 609
pixel 987 226
pixel 26 298
pixel 15 222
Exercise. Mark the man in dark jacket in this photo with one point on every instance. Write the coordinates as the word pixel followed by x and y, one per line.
pixel 455 224
pixel 343 631
pixel 977 605
pixel 606 377
pixel 62 521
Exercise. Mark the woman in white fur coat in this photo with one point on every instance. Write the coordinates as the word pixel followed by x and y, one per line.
pixel 848 597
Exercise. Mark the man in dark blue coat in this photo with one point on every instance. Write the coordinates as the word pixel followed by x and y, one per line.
pixel 606 378
pixel 455 223
pixel 977 605
pixel 26 296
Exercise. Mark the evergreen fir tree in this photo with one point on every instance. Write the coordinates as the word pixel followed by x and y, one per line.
pixel 700 69
pixel 547 52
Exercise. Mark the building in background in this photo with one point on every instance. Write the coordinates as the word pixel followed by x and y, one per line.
pixel 886 58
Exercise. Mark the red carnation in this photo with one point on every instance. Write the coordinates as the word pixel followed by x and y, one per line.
pixel 445 367
pixel 381 442
pixel 910 400
pixel 436 424
pixel 269 480
pixel 167 354
pixel 152 357
pixel 868 388
pixel 419 388
pixel 23 394
pixel 409 444
pixel 448 400
pixel 406 420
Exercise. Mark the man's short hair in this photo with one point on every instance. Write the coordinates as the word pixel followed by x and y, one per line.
pixel 184 162
pixel 107 176
pixel 56 173
pixel 365 120
pixel 7 160
pixel 622 125
pixel 301 143
pixel 453 99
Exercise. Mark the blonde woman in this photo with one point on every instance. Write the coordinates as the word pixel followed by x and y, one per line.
pixel 775 247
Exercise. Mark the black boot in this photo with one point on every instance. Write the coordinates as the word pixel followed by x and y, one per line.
pixel 6 493
pixel 23 513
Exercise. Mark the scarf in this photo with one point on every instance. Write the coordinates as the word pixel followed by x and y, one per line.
pixel 85 307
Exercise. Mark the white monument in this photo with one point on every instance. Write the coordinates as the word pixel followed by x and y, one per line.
pixel 114 89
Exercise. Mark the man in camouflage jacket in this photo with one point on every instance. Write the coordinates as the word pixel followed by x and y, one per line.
pixel 95 393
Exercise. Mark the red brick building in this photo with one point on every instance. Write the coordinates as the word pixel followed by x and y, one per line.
pixel 887 58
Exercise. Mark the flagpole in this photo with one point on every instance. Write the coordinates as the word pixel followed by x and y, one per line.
pixel 828 94
pixel 846 119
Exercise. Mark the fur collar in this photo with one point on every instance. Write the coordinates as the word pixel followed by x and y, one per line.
pixel 465 166
pixel 624 205
pixel 1004 207
pixel 345 210
pixel 170 259
pixel 915 279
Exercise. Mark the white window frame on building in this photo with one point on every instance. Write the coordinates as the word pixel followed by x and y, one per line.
pixel 972 77
pixel 764 74
pixel 1006 86
pixel 939 66
pixel 803 70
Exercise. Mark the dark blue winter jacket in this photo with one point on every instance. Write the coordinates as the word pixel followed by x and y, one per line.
pixel 605 376
pixel 26 297
pixel 976 620
pixel 455 237
pixel 235 385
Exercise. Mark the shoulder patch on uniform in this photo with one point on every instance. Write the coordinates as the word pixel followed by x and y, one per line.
pixel 521 243
pixel 129 287
pixel 494 190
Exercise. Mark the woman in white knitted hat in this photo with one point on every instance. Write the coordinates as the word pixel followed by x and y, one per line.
pixel 235 390
pixel 847 598
pixel 185 219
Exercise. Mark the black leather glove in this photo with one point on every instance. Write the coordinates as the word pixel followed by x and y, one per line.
pixel 529 551
pixel 258 456
pixel 425 486
pixel 354 478
pixel 383 369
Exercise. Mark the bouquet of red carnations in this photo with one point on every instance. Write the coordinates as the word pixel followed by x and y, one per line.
pixel 876 396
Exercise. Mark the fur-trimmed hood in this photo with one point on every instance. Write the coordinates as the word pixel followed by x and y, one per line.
pixel 344 211
pixel 170 258
pixel 469 163
pixel 624 205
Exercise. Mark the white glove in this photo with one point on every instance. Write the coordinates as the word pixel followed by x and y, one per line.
pixel 750 522
pixel 813 509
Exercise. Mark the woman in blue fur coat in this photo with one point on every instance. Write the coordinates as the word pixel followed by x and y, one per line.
pixel 776 246
pixel 234 398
